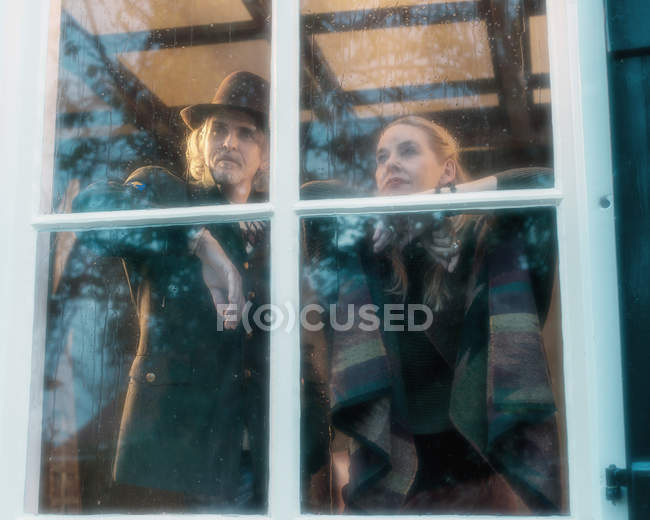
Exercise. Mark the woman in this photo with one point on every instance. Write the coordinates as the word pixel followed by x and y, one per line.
pixel 459 417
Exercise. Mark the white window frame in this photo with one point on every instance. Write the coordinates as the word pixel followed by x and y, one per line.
pixel 585 233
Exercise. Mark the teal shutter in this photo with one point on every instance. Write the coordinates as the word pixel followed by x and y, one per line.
pixel 628 23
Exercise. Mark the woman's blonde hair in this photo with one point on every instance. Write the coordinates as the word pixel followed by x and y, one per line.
pixel 198 173
pixel 437 284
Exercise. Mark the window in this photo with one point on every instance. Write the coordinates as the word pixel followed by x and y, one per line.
pixel 579 268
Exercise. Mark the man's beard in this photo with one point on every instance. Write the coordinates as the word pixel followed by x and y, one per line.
pixel 225 177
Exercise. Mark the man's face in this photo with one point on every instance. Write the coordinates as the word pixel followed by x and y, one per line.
pixel 234 148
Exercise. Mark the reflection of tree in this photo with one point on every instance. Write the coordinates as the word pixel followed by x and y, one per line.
pixel 108 123
pixel 113 15
pixel 341 149
pixel 90 339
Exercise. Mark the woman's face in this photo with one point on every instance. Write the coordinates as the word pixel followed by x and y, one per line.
pixel 406 163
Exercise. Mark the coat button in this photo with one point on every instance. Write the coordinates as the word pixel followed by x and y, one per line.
pixel 245 265
pixel 251 295
pixel 247 373
pixel 249 334
pixel 150 377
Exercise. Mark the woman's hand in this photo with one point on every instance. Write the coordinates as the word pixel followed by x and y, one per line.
pixel 222 279
pixel 383 236
pixel 439 239
pixel 395 231
pixel 400 230
pixel 444 248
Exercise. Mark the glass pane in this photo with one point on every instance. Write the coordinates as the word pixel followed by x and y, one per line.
pixel 478 69
pixel 126 71
pixel 155 392
pixel 432 364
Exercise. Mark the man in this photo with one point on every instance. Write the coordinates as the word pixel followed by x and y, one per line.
pixel 193 433
pixel 228 147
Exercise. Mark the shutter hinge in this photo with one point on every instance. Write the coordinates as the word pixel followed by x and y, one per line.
pixel 636 479
pixel 615 478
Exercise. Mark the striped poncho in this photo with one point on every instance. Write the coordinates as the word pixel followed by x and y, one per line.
pixel 501 399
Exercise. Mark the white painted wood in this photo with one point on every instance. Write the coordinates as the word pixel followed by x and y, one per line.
pixel 42 201
pixel 284 485
pixel 432 517
pixel 33 461
pixel 165 516
pixel 229 213
pixel 431 202
pixel 172 516
pixel 568 167
pixel 151 217
pixel 588 279
pixel 595 181
pixel 22 61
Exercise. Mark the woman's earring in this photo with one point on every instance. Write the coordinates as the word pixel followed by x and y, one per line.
pixel 451 185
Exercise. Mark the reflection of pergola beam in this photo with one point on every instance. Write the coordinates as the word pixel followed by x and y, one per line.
pixel 395 17
pixel 389 17
pixel 421 92
pixel 325 79
pixel 506 31
pixel 455 89
pixel 314 61
pixel 176 37
pixel 147 109
pixel 398 17
pixel 259 10
pixel 477 125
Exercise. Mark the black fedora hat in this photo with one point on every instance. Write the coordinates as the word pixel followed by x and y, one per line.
pixel 241 90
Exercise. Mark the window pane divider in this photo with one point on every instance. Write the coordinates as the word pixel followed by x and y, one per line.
pixel 306 208
pixel 524 198
pixel 152 217
pixel 284 422
pixel 190 516
pixel 149 516
pixel 431 516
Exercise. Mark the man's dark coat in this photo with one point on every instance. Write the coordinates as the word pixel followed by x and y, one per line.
pixel 193 389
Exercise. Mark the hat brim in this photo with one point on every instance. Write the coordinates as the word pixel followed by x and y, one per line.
pixel 194 115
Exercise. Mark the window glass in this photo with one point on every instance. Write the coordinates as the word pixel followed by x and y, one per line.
pixel 432 364
pixel 478 69
pixel 127 70
pixel 155 393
